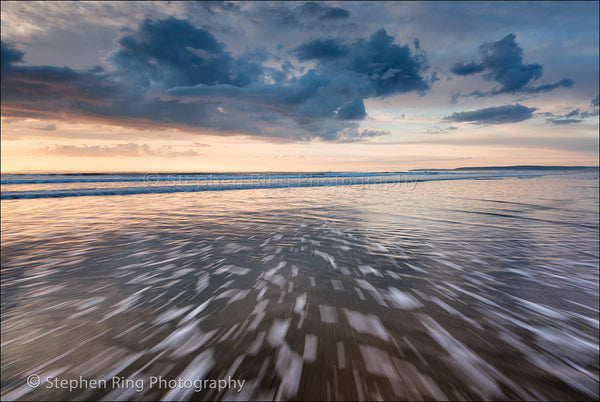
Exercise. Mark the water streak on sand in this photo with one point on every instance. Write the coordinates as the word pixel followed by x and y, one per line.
pixel 345 293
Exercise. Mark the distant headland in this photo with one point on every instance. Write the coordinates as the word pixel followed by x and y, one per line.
pixel 517 167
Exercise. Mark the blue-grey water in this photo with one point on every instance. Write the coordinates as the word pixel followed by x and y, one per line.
pixel 404 286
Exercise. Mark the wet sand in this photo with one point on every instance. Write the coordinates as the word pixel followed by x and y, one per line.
pixel 470 290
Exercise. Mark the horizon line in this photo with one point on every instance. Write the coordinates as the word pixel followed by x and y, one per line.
pixel 526 167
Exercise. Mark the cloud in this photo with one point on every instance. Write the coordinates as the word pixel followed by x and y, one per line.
pixel 354 135
pixel 320 49
pixel 174 52
pixel 129 149
pixel 438 130
pixel 467 68
pixel 48 127
pixel 454 97
pixel 564 82
pixel 327 99
pixel 594 102
pixel 573 117
pixel 494 115
pixel 592 113
pixel 41 91
pixel 573 113
pixel 9 55
pixel 502 62
pixel 305 16
pixel 321 11
pixel 169 72
pixel 392 68
pixel 563 121
pixel 354 110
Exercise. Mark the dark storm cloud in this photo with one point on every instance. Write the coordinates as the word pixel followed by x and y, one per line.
pixel 174 52
pixel 564 82
pixel 305 15
pixel 335 13
pixel 332 91
pixel 171 73
pixel 494 115
pixel 322 11
pixel 354 110
pixel 9 55
pixel 467 68
pixel 502 62
pixel 43 91
pixel 392 68
pixel 321 49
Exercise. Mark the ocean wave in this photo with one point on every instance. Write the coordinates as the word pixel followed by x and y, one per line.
pixel 153 183
pixel 153 177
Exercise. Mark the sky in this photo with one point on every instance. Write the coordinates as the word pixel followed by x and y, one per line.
pixel 297 86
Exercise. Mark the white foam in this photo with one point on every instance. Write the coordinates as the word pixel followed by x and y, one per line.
pixel 197 369
pixel 448 264
pixel 123 305
pixel 255 346
pixel 195 312
pixel 378 362
pixel 365 285
pixel 327 258
pixel 239 295
pixel 278 331
pixel 310 348
pixel 341 355
pixel 289 368
pixel 403 300
pixel 360 294
pixel 328 314
pixel 171 314
pixel 300 303
pixel 267 258
pixel 393 274
pixel 474 370
pixel 367 269
pixel 368 324
pixel 538 308
pixel 381 248
pixel 232 269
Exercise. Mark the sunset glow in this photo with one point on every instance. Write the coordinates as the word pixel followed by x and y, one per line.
pixel 297 87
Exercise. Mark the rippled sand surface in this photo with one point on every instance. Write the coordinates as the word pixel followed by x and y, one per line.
pixel 468 289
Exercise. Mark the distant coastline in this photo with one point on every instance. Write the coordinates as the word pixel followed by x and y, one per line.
pixel 516 167
pixel 312 173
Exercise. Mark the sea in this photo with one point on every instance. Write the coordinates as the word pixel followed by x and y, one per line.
pixel 469 284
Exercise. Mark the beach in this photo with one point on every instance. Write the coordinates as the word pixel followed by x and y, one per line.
pixel 401 287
